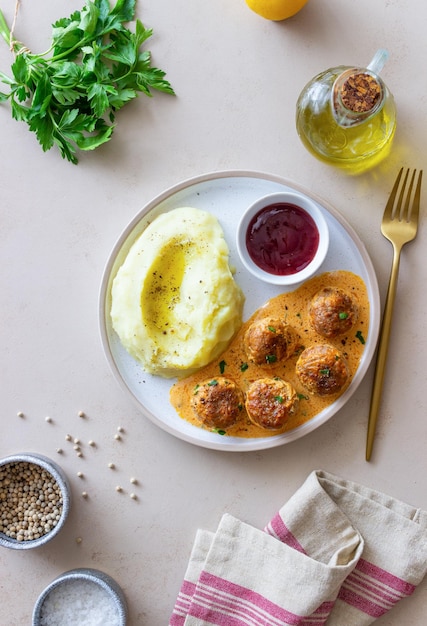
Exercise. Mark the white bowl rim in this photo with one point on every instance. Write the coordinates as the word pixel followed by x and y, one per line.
pixel 303 202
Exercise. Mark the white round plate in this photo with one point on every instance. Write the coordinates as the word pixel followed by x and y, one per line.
pixel 226 195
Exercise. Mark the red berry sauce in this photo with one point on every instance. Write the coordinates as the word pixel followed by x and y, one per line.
pixel 282 239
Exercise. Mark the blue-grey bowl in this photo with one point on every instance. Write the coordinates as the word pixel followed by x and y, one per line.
pixel 58 474
pixel 106 582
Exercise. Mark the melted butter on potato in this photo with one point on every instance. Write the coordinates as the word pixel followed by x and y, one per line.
pixel 175 304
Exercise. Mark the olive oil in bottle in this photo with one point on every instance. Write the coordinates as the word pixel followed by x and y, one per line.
pixel 346 117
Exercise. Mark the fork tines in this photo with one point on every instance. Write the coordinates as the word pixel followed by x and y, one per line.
pixel 409 205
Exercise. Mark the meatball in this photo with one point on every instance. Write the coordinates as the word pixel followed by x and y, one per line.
pixel 322 369
pixel 269 340
pixel 270 402
pixel 332 312
pixel 218 402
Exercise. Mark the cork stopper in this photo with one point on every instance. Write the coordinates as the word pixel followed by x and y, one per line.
pixel 356 95
pixel 360 92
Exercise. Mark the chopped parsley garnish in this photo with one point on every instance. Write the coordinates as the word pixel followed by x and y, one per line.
pixel 222 366
pixel 271 358
pixel 244 367
pixel 271 329
pixel 325 372
pixel 212 383
pixel 343 315
pixel 360 337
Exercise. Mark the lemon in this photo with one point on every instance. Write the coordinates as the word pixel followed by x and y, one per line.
pixel 276 10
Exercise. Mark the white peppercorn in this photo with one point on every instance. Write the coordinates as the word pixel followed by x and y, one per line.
pixel 30 501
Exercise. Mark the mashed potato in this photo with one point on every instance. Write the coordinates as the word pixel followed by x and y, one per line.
pixel 175 304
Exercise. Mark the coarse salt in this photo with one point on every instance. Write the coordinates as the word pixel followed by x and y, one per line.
pixel 79 602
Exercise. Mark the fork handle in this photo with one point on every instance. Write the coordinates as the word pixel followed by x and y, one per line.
pixel 383 344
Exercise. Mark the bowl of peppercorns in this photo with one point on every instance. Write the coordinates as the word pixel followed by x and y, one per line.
pixel 34 500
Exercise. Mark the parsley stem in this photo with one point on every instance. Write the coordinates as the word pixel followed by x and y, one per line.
pixel 4 29
pixel 68 51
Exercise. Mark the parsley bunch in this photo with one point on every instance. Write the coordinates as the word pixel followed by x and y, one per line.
pixel 69 95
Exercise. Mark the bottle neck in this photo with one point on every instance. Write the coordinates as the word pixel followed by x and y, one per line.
pixel 357 94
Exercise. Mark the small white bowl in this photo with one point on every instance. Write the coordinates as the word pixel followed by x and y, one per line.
pixel 92 589
pixel 59 477
pixel 304 206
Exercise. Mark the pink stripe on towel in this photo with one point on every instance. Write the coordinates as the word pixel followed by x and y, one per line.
pixel 277 528
pixel 373 590
pixel 182 603
pixel 223 603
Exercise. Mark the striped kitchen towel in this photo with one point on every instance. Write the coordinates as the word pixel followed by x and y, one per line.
pixel 336 554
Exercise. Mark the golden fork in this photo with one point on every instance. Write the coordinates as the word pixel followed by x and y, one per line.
pixel 399 225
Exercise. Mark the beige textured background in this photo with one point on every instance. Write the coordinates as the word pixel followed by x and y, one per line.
pixel 237 78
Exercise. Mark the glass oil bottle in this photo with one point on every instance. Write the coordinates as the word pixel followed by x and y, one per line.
pixel 346 116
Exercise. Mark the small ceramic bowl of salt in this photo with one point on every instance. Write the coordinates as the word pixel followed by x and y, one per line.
pixel 81 596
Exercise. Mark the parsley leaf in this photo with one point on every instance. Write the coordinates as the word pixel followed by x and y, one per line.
pixel 69 95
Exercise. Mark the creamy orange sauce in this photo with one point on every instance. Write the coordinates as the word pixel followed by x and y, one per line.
pixel 292 307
